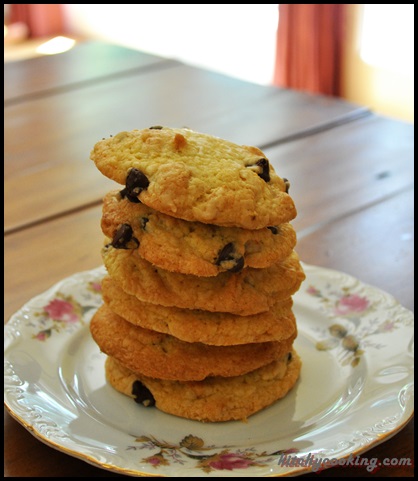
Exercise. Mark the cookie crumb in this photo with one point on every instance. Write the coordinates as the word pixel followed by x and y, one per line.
pixel 179 142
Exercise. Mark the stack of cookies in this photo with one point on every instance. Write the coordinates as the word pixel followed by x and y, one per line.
pixel 197 316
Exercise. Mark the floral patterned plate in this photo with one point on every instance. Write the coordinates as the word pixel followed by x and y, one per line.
pixel 355 389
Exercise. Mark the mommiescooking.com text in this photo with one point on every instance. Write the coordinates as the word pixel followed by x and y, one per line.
pixel 317 464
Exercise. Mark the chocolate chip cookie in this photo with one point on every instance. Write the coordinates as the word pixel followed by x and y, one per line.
pixel 153 354
pixel 195 325
pixel 247 292
pixel 196 177
pixel 214 399
pixel 191 247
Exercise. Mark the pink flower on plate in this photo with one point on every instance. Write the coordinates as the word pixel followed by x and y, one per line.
pixel 43 335
pixel 313 291
pixel 230 461
pixel 156 460
pixel 387 326
pixel 60 310
pixel 95 286
pixel 351 304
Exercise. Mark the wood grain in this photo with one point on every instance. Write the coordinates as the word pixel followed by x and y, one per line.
pixel 347 168
pixel 375 245
pixel 40 256
pixel 88 62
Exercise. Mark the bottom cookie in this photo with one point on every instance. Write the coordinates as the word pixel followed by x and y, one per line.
pixel 214 399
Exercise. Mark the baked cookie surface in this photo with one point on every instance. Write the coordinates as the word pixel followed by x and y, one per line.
pixel 247 292
pixel 215 399
pixel 196 177
pixel 191 247
pixel 162 356
pixel 215 328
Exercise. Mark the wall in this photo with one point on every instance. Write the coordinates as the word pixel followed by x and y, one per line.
pixel 238 40
pixel 384 88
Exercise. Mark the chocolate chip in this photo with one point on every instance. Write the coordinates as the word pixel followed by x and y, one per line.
pixel 229 259
pixel 265 173
pixel 289 357
pixel 136 182
pixel 124 194
pixel 157 127
pixel 143 222
pixel 274 229
pixel 123 238
pixel 225 253
pixel 239 265
pixel 262 168
pixel 287 184
pixel 142 394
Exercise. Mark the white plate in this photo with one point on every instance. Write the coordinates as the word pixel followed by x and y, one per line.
pixel 355 389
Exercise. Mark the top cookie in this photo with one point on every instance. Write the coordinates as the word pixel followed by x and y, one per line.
pixel 196 177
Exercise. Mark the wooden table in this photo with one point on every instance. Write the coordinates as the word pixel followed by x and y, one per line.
pixel 351 175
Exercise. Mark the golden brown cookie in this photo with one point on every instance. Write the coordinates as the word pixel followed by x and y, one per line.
pixel 217 328
pixel 247 292
pixel 192 247
pixel 154 354
pixel 213 399
pixel 196 177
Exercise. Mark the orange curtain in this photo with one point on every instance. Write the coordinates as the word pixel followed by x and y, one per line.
pixel 309 47
pixel 42 20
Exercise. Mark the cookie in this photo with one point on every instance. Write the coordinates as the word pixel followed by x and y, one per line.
pixel 215 328
pixel 247 292
pixel 192 247
pixel 214 399
pixel 196 177
pixel 162 356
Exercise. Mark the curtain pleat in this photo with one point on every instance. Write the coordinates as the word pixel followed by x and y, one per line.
pixel 310 47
